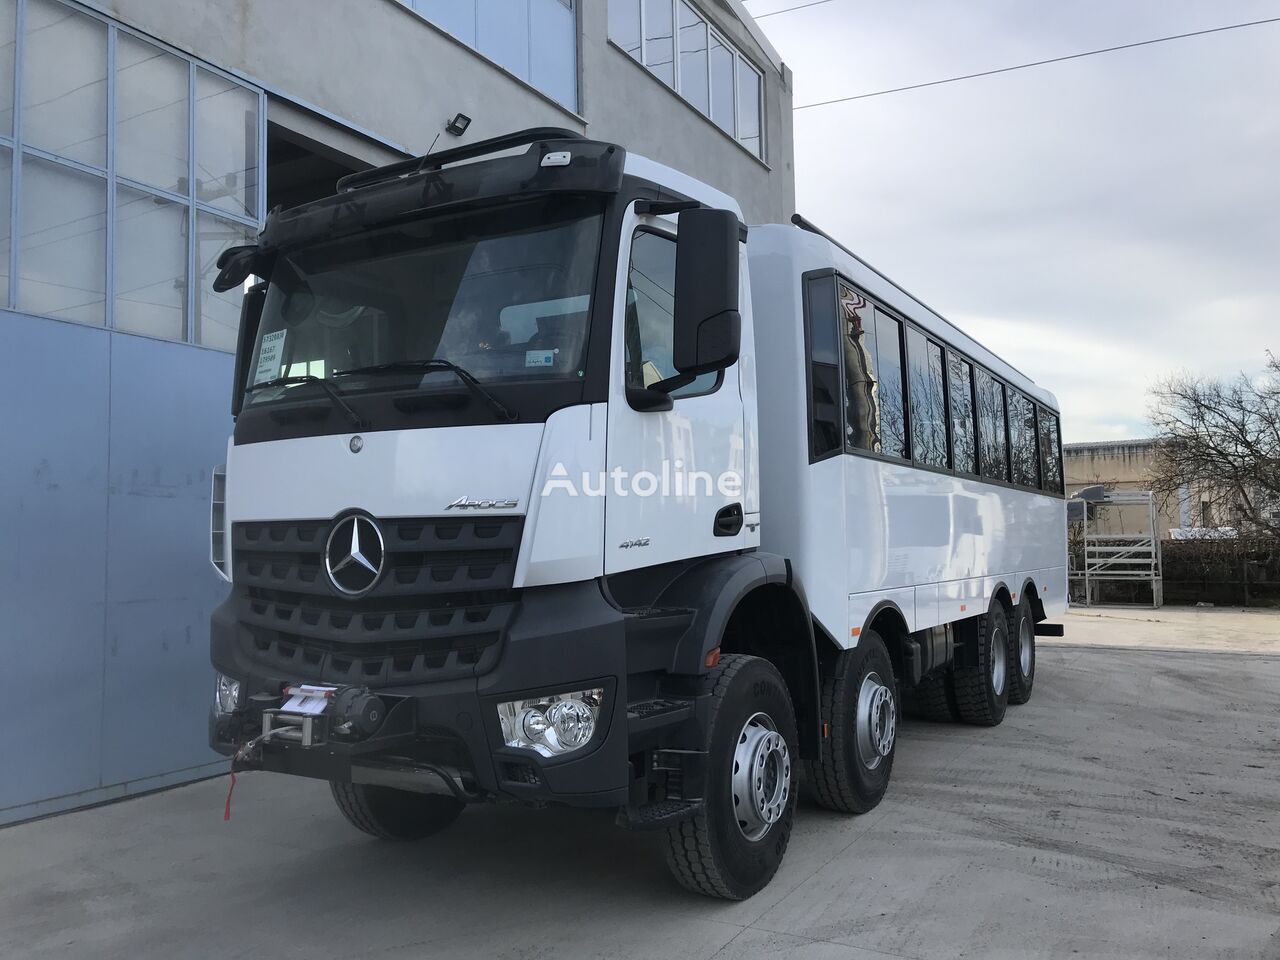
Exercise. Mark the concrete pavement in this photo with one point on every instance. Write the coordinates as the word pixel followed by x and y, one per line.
pixel 1131 809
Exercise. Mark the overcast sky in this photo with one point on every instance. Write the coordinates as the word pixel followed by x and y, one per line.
pixel 1099 223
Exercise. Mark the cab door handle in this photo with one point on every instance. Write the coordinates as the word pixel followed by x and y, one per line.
pixel 728 521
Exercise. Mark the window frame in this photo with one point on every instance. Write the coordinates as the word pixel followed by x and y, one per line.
pixel 740 59
pixel 947 351
pixel 946 397
pixel 643 227
pixel 112 179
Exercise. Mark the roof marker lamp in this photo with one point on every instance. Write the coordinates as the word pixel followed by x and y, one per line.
pixel 552 725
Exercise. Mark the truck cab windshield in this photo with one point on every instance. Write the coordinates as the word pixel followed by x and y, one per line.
pixel 503 293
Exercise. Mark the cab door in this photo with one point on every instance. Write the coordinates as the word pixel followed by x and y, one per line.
pixel 676 478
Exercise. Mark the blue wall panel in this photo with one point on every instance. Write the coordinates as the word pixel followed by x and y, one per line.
pixel 169 427
pixel 53 542
pixel 105 583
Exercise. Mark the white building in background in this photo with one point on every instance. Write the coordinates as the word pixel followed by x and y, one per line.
pixel 138 139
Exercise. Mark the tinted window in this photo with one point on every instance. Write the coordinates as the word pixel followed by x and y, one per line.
pixel 1023 451
pixel 858 323
pixel 1050 452
pixel 824 369
pixel 651 284
pixel 893 400
pixel 928 402
pixel 993 453
pixel 964 444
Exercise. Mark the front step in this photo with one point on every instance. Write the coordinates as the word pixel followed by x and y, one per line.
pixel 655 816
pixel 646 715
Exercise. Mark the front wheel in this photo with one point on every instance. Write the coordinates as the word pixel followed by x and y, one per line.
pixel 732 847
pixel 391 814
pixel 860 711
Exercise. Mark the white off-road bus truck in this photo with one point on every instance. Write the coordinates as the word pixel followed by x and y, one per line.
pixel 552 482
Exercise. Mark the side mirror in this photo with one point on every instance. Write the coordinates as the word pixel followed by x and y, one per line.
pixel 235 264
pixel 708 327
pixel 250 318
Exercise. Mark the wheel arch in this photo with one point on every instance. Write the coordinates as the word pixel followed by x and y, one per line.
pixel 890 624
pixel 1032 595
pixel 752 604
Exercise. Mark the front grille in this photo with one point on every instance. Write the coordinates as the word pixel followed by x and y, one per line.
pixel 438 612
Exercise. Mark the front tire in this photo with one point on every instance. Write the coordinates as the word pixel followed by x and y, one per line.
pixel 732 847
pixel 1022 652
pixel 860 711
pixel 390 814
pixel 982 686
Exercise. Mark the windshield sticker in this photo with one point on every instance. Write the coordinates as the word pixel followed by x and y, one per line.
pixel 270 355
pixel 539 358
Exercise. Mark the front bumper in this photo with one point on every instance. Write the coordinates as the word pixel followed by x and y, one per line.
pixel 565 637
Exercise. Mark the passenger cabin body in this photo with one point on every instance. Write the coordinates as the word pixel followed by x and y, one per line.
pixel 875 479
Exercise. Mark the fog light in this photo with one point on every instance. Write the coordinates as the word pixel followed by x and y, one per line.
pixel 552 725
pixel 226 694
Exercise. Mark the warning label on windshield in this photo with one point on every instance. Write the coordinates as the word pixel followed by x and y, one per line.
pixel 269 356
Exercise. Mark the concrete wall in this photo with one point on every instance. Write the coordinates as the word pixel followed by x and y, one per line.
pixel 381 67
pixel 1119 465
pixel 105 582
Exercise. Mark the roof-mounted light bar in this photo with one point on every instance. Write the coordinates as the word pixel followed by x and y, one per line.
pixel 470 151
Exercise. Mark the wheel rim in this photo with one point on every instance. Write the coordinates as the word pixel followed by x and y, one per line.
pixel 1026 646
pixel 761 776
pixel 877 721
pixel 999 658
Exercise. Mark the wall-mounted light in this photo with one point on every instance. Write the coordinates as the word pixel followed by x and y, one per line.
pixel 458 125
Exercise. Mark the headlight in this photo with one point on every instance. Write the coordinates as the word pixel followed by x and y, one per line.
pixel 226 694
pixel 552 725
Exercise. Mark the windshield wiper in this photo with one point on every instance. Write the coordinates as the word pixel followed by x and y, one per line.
pixel 422 366
pixel 325 384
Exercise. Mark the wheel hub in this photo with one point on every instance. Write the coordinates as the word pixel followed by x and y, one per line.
pixel 761 776
pixel 877 721
pixel 1026 644
pixel 999 660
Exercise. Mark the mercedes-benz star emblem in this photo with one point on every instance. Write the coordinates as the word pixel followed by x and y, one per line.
pixel 353 555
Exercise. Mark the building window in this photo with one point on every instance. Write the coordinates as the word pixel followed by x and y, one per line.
pixel 686 53
pixel 536 40
pixel 116 148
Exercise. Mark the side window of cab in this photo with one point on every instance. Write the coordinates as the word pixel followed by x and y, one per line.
pixel 651 289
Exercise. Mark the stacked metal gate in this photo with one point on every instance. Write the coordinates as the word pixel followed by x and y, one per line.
pixel 1128 556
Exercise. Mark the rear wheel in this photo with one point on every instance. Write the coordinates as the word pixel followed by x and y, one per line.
pixel 391 814
pixel 982 685
pixel 732 847
pixel 860 711
pixel 934 697
pixel 1022 652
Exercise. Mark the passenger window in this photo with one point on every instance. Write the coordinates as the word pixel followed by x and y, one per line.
pixel 928 401
pixel 993 450
pixel 893 399
pixel 963 440
pixel 1022 441
pixel 824 369
pixel 651 292
pixel 1050 452
pixel 858 326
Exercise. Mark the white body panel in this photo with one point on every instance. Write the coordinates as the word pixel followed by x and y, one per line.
pixel 864 531
pixel 397 473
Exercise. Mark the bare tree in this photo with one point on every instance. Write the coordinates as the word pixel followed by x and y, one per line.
pixel 1220 440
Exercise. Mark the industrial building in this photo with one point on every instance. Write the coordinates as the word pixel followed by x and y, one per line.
pixel 138 139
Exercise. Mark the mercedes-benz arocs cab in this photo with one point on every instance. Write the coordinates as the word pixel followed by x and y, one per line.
pixel 551 481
